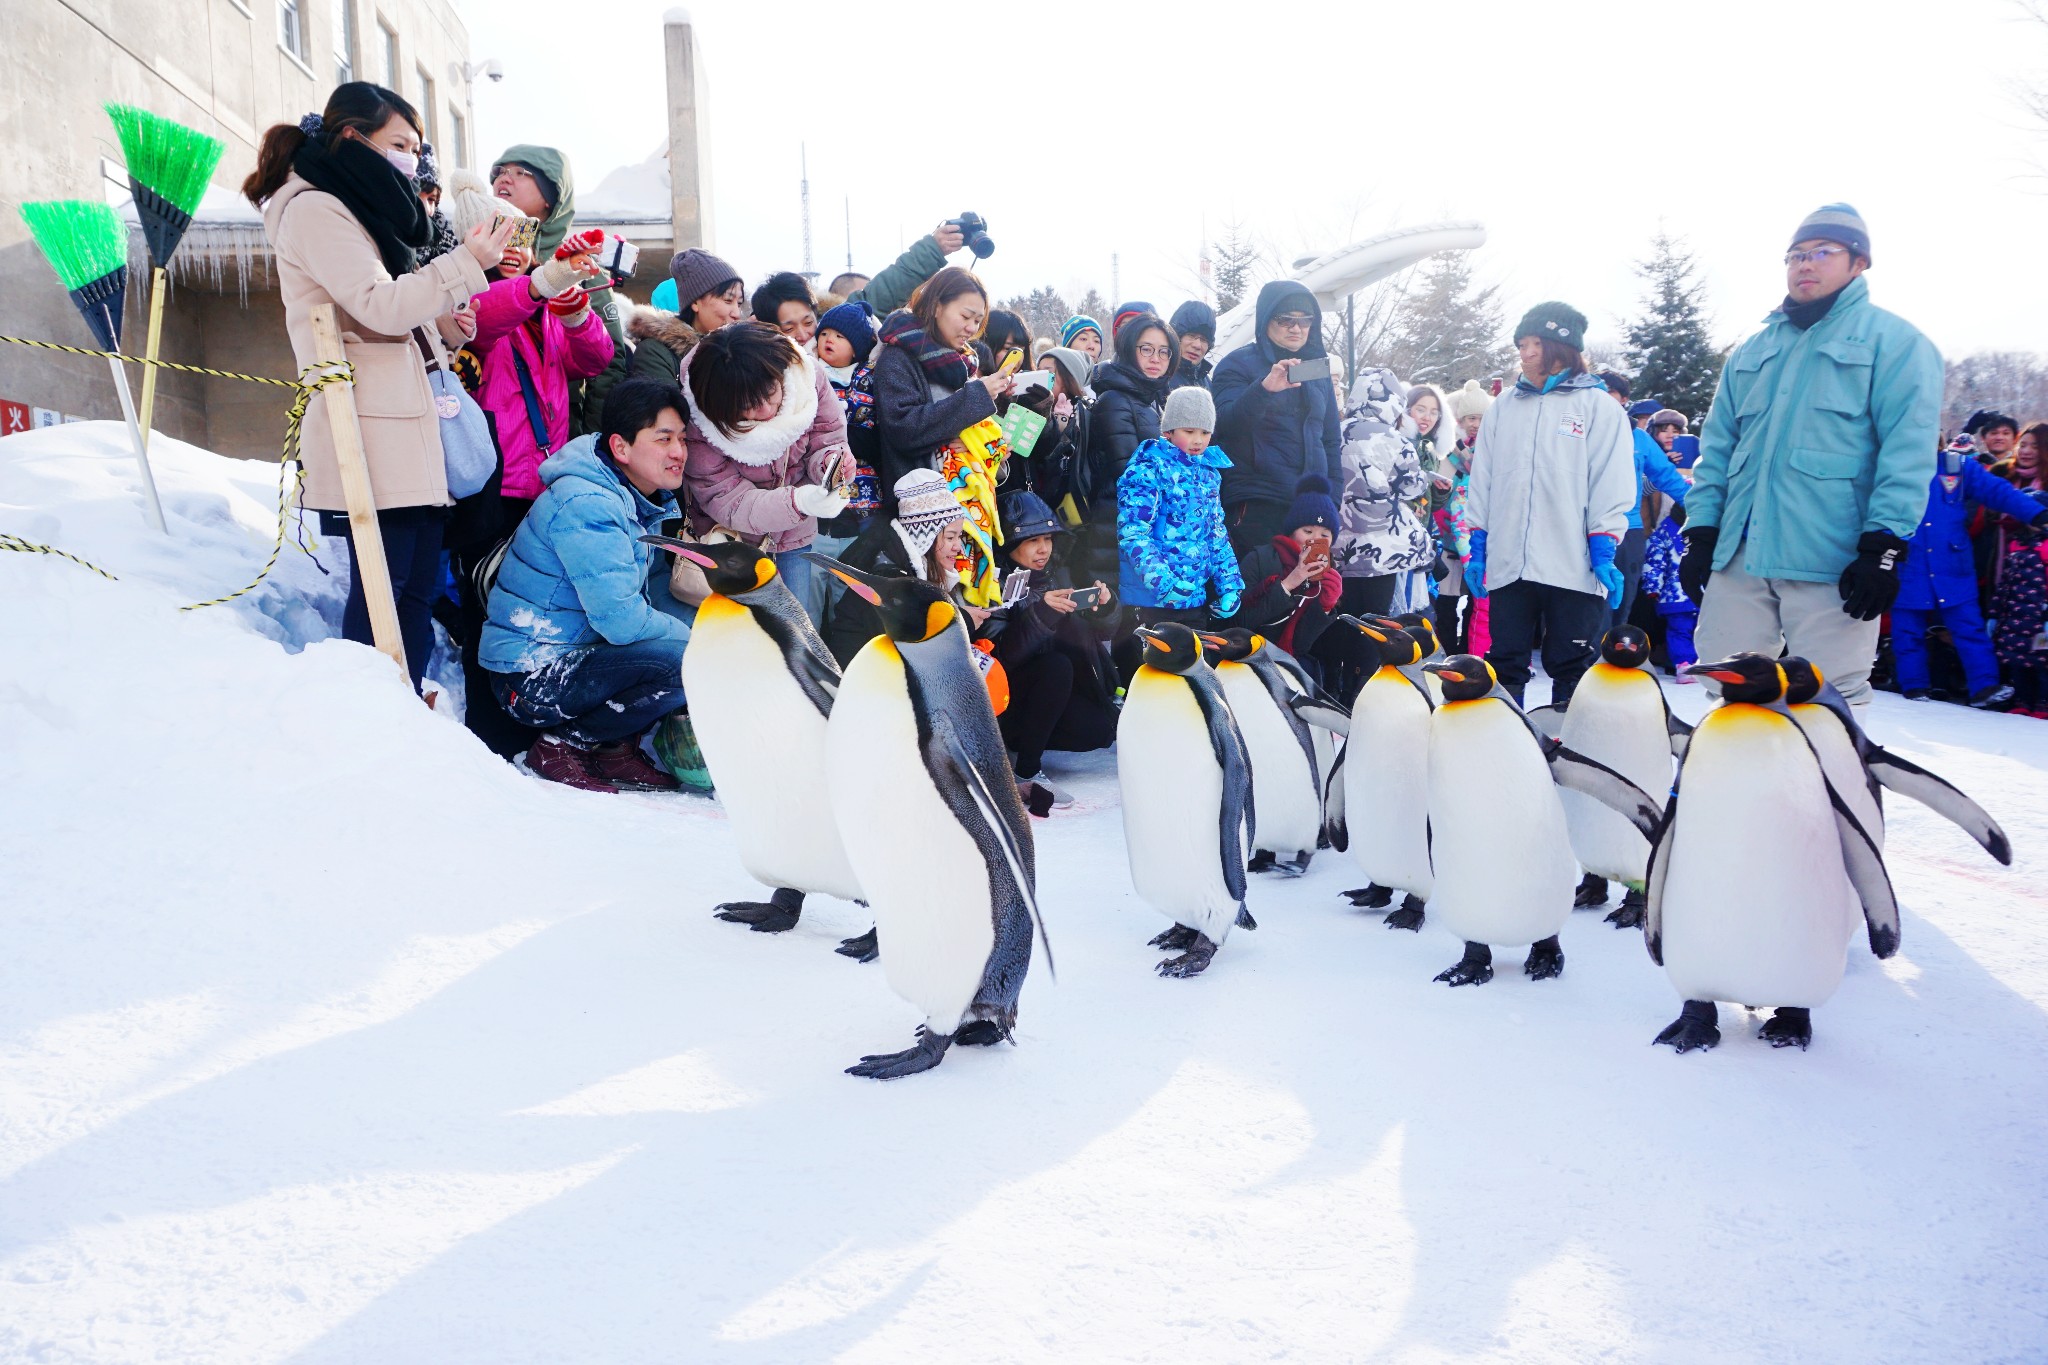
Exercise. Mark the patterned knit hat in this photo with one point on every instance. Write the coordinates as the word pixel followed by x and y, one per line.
pixel 1554 321
pixel 925 506
pixel 1076 325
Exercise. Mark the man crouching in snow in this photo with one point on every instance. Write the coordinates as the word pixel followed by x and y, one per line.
pixel 573 644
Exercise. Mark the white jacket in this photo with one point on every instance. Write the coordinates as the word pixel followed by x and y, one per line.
pixel 1550 469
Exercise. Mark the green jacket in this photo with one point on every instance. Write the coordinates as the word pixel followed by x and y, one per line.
pixel 892 288
pixel 1816 437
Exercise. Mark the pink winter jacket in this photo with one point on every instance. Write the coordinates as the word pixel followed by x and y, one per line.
pixel 578 353
pixel 747 482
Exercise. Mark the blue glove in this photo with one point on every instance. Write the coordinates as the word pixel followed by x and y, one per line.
pixel 1601 549
pixel 1475 565
pixel 1227 604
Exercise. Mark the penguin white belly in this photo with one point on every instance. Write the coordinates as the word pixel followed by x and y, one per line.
pixel 1503 862
pixel 925 877
pixel 764 743
pixel 1386 784
pixel 1843 766
pixel 1756 908
pixel 1617 718
pixel 1172 789
pixel 1288 810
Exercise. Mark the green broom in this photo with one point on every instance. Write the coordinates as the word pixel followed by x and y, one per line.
pixel 87 246
pixel 169 168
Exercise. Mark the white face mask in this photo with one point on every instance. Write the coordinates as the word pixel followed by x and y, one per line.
pixel 406 163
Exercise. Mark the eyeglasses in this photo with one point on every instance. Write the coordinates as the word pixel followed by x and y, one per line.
pixel 1817 255
pixel 1152 352
pixel 1293 322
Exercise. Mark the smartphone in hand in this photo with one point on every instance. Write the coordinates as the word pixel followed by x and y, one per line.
pixel 1307 370
pixel 1084 598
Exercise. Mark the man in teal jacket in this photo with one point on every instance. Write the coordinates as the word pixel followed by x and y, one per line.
pixel 1813 466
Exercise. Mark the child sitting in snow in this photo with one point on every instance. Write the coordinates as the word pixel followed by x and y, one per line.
pixel 1176 560
pixel 845 339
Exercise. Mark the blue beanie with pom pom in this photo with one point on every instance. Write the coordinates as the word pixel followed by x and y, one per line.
pixel 1312 506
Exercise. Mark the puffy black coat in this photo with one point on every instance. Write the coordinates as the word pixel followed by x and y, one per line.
pixel 914 424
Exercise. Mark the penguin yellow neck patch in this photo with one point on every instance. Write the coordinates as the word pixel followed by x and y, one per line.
pixel 719 607
pixel 937 617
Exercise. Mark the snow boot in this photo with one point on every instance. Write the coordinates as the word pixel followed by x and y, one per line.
pixel 675 745
pixel 1993 698
pixel 624 766
pixel 555 759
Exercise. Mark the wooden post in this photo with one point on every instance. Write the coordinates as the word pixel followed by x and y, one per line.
pixel 157 279
pixel 371 570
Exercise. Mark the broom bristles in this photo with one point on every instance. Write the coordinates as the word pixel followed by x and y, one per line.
pixel 168 157
pixel 82 239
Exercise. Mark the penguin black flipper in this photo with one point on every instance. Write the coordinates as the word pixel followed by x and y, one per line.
pixel 1333 803
pixel 1865 866
pixel 1911 780
pixel 1678 730
pixel 1573 770
pixel 1292 666
pixel 1284 697
pixel 1547 721
pixel 1321 712
pixel 1005 822
pixel 811 664
pixel 1653 881
pixel 1239 819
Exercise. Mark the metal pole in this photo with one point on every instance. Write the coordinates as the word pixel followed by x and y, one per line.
pixel 156 508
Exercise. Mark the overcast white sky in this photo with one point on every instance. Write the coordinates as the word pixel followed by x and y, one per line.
pixel 1571 132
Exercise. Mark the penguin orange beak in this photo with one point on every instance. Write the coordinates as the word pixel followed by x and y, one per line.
pixel 697 557
pixel 1214 641
pixel 853 579
pixel 1720 673
pixel 1445 671
pixel 1153 640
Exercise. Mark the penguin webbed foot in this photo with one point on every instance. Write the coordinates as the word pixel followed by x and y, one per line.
pixel 980 1033
pixel 1546 959
pixel 1473 969
pixel 1371 897
pixel 1409 916
pixel 778 914
pixel 1789 1026
pixel 1592 891
pixel 1696 1027
pixel 1193 962
pixel 861 947
pixel 1262 861
pixel 888 1066
pixel 1295 866
pixel 1174 939
pixel 1630 913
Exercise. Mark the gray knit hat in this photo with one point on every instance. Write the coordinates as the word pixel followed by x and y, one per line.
pixel 1072 364
pixel 1835 223
pixel 1189 406
pixel 697 272
pixel 925 506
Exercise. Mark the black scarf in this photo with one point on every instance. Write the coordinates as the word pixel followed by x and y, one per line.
pixel 942 364
pixel 381 199
pixel 1804 315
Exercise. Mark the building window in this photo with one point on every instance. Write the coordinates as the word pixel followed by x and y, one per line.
pixel 344 41
pixel 387 38
pixel 426 104
pixel 458 133
pixel 291 27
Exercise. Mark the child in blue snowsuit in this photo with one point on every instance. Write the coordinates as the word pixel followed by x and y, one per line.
pixel 1175 555
pixel 1938 584
pixel 1660 580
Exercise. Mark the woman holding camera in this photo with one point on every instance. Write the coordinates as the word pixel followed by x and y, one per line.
pixel 345 219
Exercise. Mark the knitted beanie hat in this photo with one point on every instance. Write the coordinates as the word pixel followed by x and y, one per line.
pixel 1073 365
pixel 1835 223
pixel 697 272
pixel 855 322
pixel 1470 401
pixel 1312 505
pixel 1076 325
pixel 1189 406
pixel 1554 321
pixel 468 204
pixel 925 506
pixel 1125 313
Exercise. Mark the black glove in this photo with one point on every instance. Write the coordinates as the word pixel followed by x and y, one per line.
pixel 1698 561
pixel 1871 582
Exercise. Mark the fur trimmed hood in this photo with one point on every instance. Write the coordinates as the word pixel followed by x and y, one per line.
pixel 658 324
pixel 764 442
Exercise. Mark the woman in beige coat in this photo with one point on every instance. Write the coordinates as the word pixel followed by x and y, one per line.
pixel 344 218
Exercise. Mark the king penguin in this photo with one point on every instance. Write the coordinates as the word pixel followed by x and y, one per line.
pixel 1858 766
pixel 1187 796
pixel 928 809
pixel 761 685
pixel 1619 717
pixel 1286 777
pixel 1761 869
pixel 1382 818
pixel 1500 855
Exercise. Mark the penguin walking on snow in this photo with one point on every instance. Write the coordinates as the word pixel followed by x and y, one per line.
pixel 1500 855
pixel 1286 777
pixel 1619 717
pixel 1761 869
pixel 1860 769
pixel 1379 809
pixel 1187 797
pixel 761 685
pixel 927 806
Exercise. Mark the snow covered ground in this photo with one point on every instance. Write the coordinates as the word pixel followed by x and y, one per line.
pixel 327 1037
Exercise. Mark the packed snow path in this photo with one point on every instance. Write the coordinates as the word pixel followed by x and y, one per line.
pixel 326 1037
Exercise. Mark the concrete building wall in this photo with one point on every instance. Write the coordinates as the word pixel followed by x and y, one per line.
pixel 220 66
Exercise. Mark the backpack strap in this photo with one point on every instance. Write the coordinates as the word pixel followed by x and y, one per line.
pixel 531 392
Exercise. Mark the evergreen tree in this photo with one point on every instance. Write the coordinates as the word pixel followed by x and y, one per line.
pixel 1092 306
pixel 1043 310
pixel 1672 358
pixel 1236 267
pixel 1442 331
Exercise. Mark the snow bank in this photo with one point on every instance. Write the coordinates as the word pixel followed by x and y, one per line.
pixel 326 1037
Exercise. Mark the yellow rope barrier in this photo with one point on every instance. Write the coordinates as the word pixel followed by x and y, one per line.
pixel 291 471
